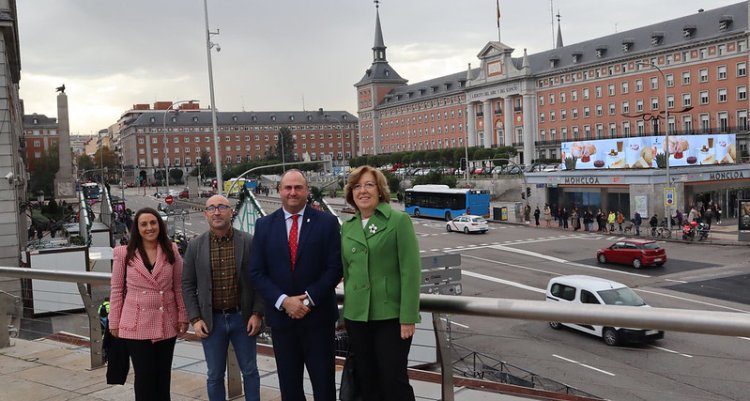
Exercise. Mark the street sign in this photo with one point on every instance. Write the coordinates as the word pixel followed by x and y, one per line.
pixel 169 199
pixel 669 200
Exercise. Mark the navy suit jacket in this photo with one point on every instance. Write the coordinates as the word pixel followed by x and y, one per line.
pixel 317 270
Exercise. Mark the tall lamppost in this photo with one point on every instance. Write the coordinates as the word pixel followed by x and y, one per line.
pixel 217 154
pixel 166 140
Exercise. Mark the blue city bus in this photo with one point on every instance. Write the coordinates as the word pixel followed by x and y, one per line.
pixel 446 203
pixel 91 191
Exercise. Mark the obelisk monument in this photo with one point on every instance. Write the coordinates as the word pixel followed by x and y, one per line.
pixel 64 181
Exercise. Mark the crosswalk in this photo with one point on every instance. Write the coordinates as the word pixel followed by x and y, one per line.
pixel 582 236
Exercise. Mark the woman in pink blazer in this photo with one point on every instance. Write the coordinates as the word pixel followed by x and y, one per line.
pixel 146 306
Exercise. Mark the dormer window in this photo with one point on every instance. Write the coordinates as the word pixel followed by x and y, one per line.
pixel 434 88
pixel 387 73
pixel 195 119
pixel 174 119
pixel 410 94
pixel 553 61
pixel 234 118
pixel 688 31
pixel 657 38
pixel 627 45
pixel 36 121
pixel 254 118
pixel 601 51
pixel 309 117
pixel 461 83
pixel 273 118
pixel 725 22
pixel 577 57
pixel 447 86
pixel 152 120
pixel 291 118
pixel 422 91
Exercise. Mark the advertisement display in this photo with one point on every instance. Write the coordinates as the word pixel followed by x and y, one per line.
pixel 744 215
pixel 649 152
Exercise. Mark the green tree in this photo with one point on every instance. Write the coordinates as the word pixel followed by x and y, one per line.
pixel 436 178
pixel 284 141
pixel 43 176
pixel 175 176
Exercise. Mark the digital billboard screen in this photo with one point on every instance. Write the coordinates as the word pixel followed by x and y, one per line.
pixel 647 151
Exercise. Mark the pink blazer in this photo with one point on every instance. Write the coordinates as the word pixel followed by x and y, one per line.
pixel 153 306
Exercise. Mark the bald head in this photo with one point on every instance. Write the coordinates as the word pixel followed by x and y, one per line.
pixel 217 200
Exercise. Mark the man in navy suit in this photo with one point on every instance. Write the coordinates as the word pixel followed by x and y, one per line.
pixel 296 265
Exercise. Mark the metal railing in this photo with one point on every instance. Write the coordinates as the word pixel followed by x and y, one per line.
pixel 682 320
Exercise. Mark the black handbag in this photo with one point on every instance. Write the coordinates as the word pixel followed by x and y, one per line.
pixel 349 391
pixel 116 349
pixel 118 358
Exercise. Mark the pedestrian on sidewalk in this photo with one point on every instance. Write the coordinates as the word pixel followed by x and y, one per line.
pixel 718 214
pixel 536 216
pixel 637 220
pixel 564 218
pixel 547 215
pixel 221 299
pixel 611 218
pixel 620 219
pixel 146 304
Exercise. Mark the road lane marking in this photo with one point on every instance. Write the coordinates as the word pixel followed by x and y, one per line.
pixel 455 323
pixel 671 351
pixel 584 365
pixel 501 281
pixel 676 281
pixel 559 260
pixel 744 338
pixel 691 300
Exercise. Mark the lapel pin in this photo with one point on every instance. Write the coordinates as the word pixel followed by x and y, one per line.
pixel 308 220
pixel 373 228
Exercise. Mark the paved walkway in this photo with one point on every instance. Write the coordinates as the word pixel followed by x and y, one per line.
pixel 47 370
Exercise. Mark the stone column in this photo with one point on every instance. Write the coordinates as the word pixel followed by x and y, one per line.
pixel 529 128
pixel 375 133
pixel 471 131
pixel 508 121
pixel 64 181
pixel 488 128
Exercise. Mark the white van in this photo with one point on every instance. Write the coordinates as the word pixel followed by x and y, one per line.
pixel 594 290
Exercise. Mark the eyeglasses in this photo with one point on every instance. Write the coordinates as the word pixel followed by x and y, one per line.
pixel 369 185
pixel 221 208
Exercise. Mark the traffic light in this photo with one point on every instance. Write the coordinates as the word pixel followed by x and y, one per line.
pixel 463 164
pixel 528 192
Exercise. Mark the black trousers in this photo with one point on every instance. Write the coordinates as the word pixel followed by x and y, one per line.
pixel 381 359
pixel 152 365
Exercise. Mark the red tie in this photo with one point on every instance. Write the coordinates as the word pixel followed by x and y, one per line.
pixel 293 239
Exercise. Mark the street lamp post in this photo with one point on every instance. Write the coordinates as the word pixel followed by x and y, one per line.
pixel 217 154
pixel 667 209
pixel 166 140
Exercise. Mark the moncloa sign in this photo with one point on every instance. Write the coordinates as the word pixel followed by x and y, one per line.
pixel 581 180
pixel 726 175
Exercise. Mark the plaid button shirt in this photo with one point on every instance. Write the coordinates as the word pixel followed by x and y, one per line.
pixel 226 289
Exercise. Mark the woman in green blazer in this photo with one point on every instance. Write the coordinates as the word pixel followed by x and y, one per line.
pixel 382 276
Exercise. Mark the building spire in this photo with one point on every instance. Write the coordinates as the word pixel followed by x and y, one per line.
pixel 559 32
pixel 378 49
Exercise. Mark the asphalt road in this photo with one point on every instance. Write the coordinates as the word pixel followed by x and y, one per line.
pixel 517 262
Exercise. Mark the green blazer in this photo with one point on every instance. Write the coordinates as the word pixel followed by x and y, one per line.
pixel 382 267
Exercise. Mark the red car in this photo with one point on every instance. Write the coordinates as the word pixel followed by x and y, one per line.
pixel 635 252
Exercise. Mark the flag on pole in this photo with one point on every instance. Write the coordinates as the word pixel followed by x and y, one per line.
pixel 498 13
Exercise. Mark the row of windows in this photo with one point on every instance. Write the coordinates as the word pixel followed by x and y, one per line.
pixel 721 123
pixel 186 149
pixel 177 162
pixel 208 139
pixel 423 145
pixel 421 132
pixel 722 96
pixel 653 82
pixel 669 59
pixel 410 108
pixel 419 118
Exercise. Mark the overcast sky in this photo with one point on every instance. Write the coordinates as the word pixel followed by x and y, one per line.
pixel 112 54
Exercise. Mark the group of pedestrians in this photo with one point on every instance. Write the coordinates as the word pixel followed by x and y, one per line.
pixel 230 283
pixel 577 219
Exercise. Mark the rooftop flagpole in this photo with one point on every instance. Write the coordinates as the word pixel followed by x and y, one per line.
pixel 497 2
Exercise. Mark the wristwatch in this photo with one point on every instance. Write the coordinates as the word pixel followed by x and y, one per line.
pixel 306 302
